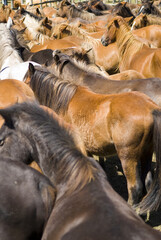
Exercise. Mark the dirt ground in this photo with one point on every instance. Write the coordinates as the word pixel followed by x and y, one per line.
pixel 118 181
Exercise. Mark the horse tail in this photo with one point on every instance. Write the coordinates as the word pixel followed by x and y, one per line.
pixel 152 200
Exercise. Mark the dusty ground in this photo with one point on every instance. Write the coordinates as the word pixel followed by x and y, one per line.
pixel 117 179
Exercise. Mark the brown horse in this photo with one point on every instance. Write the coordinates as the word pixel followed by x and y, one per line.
pixel 86 206
pixel 152 33
pixel 5 12
pixel 144 20
pixel 73 71
pixel 102 121
pixel 132 51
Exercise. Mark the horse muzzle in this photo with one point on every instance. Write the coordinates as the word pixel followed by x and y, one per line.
pixel 105 41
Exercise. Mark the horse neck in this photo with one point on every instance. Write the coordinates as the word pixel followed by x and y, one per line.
pixel 127 44
pixel 152 20
pixel 72 73
pixel 56 153
pixel 13 58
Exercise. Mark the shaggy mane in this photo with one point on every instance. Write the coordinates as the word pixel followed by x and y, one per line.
pixel 127 44
pixel 52 91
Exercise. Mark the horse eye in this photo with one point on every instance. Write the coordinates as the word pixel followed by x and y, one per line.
pixel 1 142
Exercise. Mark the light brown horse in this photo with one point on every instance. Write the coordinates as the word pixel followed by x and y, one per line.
pixel 108 124
pixel 5 12
pixel 144 20
pixel 133 53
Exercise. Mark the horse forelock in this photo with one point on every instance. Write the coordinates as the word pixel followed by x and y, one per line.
pixel 52 91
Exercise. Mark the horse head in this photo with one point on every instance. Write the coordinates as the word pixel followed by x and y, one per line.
pixel 110 35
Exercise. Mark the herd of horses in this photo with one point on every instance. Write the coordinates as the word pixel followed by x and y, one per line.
pixel 79 81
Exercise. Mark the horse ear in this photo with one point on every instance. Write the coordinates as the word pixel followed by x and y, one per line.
pixel 9 23
pixel 38 11
pixel 56 58
pixel 31 69
pixel 145 18
pixel 116 23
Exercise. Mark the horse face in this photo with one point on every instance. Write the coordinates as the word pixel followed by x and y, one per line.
pixel 140 21
pixel 12 144
pixel 110 35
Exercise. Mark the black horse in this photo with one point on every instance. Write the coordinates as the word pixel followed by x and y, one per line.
pixel 86 206
pixel 26 201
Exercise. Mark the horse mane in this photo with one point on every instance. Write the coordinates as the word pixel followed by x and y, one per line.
pixel 73 168
pixel 90 68
pixel 7 44
pixel 127 44
pixel 75 31
pixel 35 29
pixel 153 19
pixel 52 91
pixel 82 13
pixel 24 12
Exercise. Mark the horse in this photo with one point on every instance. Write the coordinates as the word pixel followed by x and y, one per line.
pixel 9 54
pixel 26 201
pixel 102 121
pixel 152 33
pixel 70 70
pixel 149 8
pixel 131 50
pixel 144 20
pixel 4 14
pixel 35 28
pixel 79 180
pixel 16 71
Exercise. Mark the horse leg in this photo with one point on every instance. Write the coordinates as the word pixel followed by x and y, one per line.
pixel 132 171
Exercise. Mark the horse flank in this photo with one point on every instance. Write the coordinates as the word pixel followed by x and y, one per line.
pixel 52 91
pixel 127 44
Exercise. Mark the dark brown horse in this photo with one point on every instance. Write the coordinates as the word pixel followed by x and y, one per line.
pixel 102 121
pixel 70 70
pixel 86 206
pixel 26 200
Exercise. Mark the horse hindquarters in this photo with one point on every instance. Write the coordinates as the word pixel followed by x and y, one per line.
pixel 152 200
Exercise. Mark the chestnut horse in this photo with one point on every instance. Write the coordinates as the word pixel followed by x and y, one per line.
pixel 102 121
pixel 132 52
pixel 144 20
pixel 86 206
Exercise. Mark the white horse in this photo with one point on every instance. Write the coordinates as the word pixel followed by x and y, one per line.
pixel 16 71
pixel 9 55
